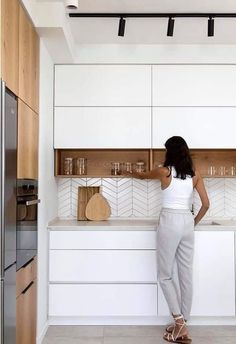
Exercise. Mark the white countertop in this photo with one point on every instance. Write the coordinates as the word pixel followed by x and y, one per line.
pixel 111 224
pixel 135 224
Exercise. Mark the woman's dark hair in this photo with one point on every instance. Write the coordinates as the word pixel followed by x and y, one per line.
pixel 178 155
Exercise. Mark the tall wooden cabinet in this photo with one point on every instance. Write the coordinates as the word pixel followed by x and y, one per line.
pixel 19 53
pixel 26 286
pixel 27 154
pixel 19 68
pixel 28 61
pixel 10 44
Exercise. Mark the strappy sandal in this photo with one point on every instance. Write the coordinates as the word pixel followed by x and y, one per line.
pixel 170 328
pixel 177 338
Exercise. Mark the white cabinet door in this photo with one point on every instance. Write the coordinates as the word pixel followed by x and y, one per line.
pixel 194 85
pixel 102 85
pixel 102 265
pixel 102 127
pixel 200 127
pixel 71 240
pixel 102 300
pixel 213 276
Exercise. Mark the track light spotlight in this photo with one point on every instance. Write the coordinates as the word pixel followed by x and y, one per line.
pixel 72 4
pixel 121 31
pixel 170 28
pixel 210 27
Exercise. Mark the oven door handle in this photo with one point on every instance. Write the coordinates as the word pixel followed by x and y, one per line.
pixel 35 201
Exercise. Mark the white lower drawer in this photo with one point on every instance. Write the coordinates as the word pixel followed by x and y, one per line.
pixel 102 265
pixel 102 300
pixel 103 239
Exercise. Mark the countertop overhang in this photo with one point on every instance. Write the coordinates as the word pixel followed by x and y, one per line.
pixel 134 224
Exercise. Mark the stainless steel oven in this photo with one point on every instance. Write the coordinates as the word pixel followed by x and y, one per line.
pixel 27 221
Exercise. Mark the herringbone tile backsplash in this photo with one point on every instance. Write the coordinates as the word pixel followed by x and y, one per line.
pixel 130 197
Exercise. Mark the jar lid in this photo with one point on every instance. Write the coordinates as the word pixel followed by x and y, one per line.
pixel 140 163
pixel 69 159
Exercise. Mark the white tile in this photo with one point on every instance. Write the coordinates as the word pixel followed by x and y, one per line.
pixel 131 197
pixel 109 191
pixel 216 191
pixel 154 197
pixel 64 197
pixel 230 197
pixel 94 181
pixel 124 197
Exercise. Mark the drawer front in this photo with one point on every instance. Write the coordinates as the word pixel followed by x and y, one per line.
pixel 103 239
pixel 102 300
pixel 25 275
pixel 102 265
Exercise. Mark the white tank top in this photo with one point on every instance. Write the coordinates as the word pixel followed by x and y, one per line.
pixel 179 194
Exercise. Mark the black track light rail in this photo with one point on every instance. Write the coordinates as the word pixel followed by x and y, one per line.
pixel 152 15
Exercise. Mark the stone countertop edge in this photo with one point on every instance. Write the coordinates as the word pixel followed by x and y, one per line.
pixel 125 224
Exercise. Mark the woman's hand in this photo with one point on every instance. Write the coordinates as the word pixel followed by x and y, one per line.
pixel 126 173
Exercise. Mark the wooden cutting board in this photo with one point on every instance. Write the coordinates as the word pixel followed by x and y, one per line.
pixel 84 195
pixel 98 209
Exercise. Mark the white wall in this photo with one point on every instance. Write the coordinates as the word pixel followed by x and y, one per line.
pixel 47 183
pixel 155 53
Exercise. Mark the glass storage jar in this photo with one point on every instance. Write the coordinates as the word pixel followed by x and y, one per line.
pixel 127 166
pixel 68 166
pixel 81 166
pixel 140 166
pixel 115 168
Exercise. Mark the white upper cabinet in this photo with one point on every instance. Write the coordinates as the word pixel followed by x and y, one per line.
pixel 194 85
pixel 102 85
pixel 209 127
pixel 102 127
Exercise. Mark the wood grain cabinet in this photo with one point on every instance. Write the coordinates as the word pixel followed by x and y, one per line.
pixel 10 44
pixel 26 304
pixel 28 61
pixel 27 152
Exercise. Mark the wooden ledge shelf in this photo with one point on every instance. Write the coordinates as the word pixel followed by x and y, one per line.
pixel 99 161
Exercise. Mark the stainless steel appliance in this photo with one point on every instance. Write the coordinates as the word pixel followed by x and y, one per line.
pixel 8 144
pixel 27 221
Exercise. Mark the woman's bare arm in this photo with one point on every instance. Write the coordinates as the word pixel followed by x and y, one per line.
pixel 200 187
pixel 156 173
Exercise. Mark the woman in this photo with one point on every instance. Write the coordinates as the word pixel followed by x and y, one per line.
pixel 175 232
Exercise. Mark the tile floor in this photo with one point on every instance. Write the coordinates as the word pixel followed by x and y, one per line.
pixel 134 335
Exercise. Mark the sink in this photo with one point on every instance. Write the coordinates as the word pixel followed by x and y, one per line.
pixel 208 223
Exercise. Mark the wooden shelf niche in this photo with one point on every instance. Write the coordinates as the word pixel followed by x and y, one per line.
pixel 99 160
pixel 212 163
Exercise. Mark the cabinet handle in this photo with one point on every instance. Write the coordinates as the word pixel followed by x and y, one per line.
pixel 35 201
pixel 2 172
pixel 26 264
pixel 25 290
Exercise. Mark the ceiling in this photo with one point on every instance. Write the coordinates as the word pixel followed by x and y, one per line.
pixel 152 30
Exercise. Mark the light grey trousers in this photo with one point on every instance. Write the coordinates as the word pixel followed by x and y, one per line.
pixel 175 244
